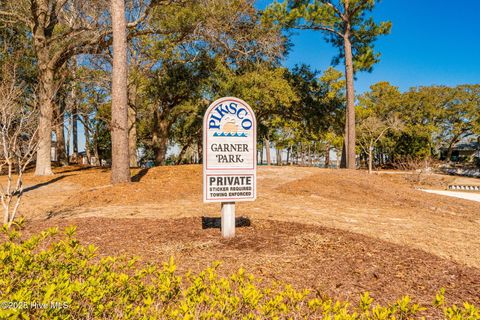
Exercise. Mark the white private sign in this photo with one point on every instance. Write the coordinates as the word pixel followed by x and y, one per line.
pixel 229 156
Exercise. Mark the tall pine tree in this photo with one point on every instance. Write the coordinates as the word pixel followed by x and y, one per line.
pixel 345 24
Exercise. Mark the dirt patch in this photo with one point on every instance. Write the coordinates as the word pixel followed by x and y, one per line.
pixel 393 192
pixel 339 263
pixel 428 180
pixel 388 208
pixel 385 207
pixel 149 186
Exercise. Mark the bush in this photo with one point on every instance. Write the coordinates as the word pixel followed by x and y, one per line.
pixel 44 277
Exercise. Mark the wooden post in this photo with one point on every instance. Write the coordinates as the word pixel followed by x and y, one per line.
pixel 228 219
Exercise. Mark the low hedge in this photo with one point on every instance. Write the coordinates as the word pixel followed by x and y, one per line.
pixel 56 277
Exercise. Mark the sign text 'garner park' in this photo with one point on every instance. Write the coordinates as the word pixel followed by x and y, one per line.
pixel 229 151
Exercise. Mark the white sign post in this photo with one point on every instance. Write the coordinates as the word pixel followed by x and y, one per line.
pixel 229 157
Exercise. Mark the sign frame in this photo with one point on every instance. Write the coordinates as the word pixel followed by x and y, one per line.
pixel 229 171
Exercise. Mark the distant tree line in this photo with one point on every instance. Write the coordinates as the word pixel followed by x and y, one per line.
pixel 181 55
pixel 419 123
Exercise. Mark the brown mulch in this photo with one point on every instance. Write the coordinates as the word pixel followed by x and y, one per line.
pixel 378 191
pixel 339 263
pixel 347 186
pixel 169 182
pixel 148 186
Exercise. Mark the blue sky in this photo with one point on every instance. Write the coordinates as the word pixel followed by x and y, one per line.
pixel 432 42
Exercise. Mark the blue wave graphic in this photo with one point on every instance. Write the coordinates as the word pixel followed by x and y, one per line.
pixel 223 134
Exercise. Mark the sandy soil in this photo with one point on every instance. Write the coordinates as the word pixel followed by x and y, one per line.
pixel 387 207
pixel 342 231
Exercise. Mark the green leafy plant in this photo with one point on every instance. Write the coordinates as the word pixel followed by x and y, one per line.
pixel 52 276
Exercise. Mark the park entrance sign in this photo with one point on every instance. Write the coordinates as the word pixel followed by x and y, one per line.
pixel 229 156
pixel 229 152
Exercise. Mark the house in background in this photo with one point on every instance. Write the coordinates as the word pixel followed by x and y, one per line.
pixel 463 152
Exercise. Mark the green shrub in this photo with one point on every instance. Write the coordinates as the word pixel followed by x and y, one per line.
pixel 44 278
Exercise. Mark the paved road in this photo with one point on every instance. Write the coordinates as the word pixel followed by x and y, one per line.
pixel 456 194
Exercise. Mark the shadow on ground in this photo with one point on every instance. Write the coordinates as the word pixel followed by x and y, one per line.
pixel 43 184
pixel 138 177
pixel 216 222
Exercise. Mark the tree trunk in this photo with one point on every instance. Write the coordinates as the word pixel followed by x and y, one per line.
pixel 343 158
pixel 288 155
pixel 450 147
pixel 69 137
pixel 59 126
pixel 132 136
pixel 43 166
pixel 350 114
pixel 302 151
pixel 261 154
pixel 75 131
pixel 119 124
pixel 295 156
pixel 87 145
pixel 132 125
pixel 449 153
pixel 160 137
pixel 74 111
pixel 327 155
pixel 46 93
pixel 309 155
pixel 181 154
pixel 279 157
pixel 96 153
pixel 266 142
pixel 199 152
pixel 339 159
pixel 184 150
pixel 370 159
pixel 60 135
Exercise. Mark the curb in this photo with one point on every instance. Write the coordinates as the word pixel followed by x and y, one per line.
pixel 464 187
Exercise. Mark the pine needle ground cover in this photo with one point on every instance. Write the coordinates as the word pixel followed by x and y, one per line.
pixel 51 275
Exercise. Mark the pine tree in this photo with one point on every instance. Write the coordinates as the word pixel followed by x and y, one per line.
pixel 345 25
pixel 119 124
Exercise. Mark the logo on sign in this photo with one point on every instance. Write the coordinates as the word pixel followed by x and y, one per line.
pixel 230 120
